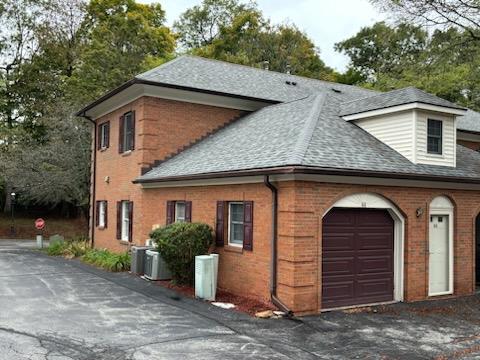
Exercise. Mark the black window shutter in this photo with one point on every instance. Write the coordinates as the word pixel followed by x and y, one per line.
pixel 106 213
pixel 130 222
pixel 133 131
pixel 188 211
pixel 120 134
pixel 107 132
pixel 170 212
pixel 97 213
pixel 119 220
pixel 220 224
pixel 248 225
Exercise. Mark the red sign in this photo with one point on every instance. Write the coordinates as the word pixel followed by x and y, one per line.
pixel 39 224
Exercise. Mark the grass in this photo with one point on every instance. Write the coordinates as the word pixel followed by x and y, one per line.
pixel 101 258
pixel 25 229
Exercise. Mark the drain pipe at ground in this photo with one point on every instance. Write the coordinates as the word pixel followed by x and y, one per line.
pixel 273 266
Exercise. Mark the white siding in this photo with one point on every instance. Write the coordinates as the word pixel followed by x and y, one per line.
pixel 448 156
pixel 395 130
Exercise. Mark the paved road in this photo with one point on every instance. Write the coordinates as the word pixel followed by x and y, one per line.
pixel 53 308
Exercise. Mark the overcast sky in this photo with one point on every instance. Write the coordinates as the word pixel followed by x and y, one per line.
pixel 325 21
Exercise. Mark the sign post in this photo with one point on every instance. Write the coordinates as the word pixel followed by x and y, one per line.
pixel 40 225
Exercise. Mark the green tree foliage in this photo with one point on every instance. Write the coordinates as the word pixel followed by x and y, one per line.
pixel 201 24
pixel 383 49
pixel 445 63
pixel 242 35
pixel 120 38
pixel 461 14
pixel 55 56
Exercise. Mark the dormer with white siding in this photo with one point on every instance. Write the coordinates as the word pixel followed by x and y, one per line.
pixel 418 125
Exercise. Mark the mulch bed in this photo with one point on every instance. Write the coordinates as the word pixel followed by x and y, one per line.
pixel 243 304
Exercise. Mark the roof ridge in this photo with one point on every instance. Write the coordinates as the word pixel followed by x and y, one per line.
pixel 164 65
pixel 277 72
pixel 303 141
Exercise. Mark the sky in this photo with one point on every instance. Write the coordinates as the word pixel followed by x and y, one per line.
pixel 326 22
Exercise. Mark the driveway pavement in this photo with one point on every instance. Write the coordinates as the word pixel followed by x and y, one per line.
pixel 53 308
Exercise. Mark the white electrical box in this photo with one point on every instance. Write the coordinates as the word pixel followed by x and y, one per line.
pixel 205 277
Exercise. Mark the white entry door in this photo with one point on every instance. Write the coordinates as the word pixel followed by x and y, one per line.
pixel 439 255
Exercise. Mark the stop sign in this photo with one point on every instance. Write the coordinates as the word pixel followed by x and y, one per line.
pixel 39 224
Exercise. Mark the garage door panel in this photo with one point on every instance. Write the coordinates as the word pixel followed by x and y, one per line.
pixel 340 290
pixel 339 266
pixel 374 287
pixel 357 257
pixel 339 242
pixel 375 241
pixel 374 264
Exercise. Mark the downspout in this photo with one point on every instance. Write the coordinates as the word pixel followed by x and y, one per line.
pixel 274 246
pixel 94 175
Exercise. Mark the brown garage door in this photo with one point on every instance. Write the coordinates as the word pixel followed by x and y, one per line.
pixel 357 257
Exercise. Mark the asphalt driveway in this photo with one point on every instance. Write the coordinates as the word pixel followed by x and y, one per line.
pixel 51 308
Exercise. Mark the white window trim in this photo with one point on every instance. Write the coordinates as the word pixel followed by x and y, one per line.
pixel 101 214
pixel 442 206
pixel 103 129
pixel 230 222
pixel 177 219
pixel 125 233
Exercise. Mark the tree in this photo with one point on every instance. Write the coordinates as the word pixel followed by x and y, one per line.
pixel 201 24
pixel 390 57
pixel 250 39
pixel 463 14
pixel 120 37
pixel 55 171
pixel 381 49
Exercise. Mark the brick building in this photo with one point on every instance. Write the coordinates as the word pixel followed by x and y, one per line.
pixel 321 195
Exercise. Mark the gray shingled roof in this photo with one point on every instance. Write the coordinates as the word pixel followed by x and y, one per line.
pixel 220 76
pixel 469 122
pixel 403 96
pixel 304 132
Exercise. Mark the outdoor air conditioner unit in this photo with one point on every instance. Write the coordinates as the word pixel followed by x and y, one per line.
pixel 137 264
pixel 155 267
pixel 206 267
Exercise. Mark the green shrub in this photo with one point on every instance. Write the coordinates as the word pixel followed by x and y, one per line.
pixel 70 248
pixel 55 249
pixel 179 243
pixel 107 260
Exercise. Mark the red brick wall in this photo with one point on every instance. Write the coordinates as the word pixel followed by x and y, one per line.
pixel 240 271
pixel 474 145
pixel 161 127
pixel 303 205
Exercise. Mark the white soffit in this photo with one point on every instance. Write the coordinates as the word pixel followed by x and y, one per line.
pixel 466 136
pixel 136 91
pixel 405 107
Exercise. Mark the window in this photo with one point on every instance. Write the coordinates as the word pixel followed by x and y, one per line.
pixel 434 138
pixel 101 215
pixel 124 220
pixel 235 223
pixel 179 211
pixel 102 209
pixel 127 132
pixel 104 135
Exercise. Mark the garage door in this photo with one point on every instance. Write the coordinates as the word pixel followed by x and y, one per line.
pixel 357 257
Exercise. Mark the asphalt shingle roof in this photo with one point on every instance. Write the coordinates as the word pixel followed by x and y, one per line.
pixel 305 128
pixel 393 98
pixel 469 122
